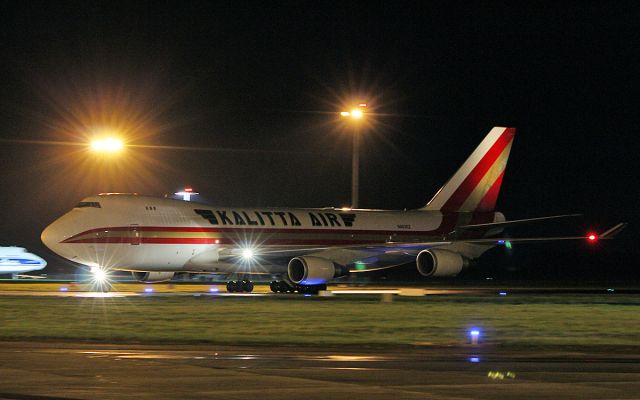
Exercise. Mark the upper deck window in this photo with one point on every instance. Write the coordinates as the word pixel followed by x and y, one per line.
pixel 83 204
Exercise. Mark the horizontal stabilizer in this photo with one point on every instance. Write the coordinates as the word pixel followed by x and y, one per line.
pixel 612 232
pixel 516 222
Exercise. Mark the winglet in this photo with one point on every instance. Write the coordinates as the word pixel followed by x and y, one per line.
pixel 612 232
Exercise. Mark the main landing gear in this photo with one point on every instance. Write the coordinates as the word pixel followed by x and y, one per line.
pixel 286 287
pixel 243 286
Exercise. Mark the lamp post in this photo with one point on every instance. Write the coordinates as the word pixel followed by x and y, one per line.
pixel 355 114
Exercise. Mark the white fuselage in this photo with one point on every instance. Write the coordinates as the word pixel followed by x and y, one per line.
pixel 141 233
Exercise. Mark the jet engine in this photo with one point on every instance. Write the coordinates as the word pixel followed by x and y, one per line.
pixel 310 270
pixel 440 263
pixel 152 277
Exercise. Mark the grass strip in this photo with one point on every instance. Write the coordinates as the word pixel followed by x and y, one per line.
pixel 440 320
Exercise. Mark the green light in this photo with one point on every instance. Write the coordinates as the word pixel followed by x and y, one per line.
pixel 360 266
pixel 507 244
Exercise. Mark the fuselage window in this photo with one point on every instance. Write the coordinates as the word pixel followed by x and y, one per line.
pixel 84 204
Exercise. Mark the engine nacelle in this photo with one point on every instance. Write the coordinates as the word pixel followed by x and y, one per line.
pixel 439 263
pixel 310 270
pixel 152 277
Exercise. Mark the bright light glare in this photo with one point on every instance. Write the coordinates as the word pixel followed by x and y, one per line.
pixel 247 254
pixel 345 113
pixel 592 237
pixel 99 276
pixel 99 279
pixel 356 114
pixel 108 145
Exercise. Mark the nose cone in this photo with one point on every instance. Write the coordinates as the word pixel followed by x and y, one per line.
pixel 54 235
pixel 50 237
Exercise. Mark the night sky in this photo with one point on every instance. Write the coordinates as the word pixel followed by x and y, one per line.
pixel 245 97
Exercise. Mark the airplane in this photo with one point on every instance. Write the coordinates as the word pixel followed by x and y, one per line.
pixel 16 260
pixel 155 238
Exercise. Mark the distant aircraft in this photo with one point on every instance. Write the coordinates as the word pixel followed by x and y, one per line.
pixel 16 260
pixel 303 248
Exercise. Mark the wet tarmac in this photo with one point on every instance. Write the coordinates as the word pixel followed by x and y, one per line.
pixel 51 370
pixel 71 289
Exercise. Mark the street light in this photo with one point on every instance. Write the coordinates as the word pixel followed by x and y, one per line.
pixel 108 145
pixel 356 114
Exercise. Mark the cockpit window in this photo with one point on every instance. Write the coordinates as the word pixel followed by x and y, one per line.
pixel 93 204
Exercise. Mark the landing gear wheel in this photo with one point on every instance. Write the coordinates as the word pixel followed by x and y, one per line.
pixel 246 286
pixel 280 287
pixel 232 286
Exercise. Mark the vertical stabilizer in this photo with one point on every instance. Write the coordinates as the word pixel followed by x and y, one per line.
pixel 475 186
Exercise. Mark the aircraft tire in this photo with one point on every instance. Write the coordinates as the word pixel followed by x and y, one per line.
pixel 247 286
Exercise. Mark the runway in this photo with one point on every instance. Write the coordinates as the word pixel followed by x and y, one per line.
pixel 88 371
pixel 130 289
pixel 72 289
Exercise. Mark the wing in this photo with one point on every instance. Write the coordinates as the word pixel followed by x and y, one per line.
pixel 365 258
pixel 393 254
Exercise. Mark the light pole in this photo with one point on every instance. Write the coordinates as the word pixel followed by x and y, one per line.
pixel 355 114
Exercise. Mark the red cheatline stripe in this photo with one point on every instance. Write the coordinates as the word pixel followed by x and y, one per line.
pixel 249 230
pixel 475 176
pixel 314 242
pixel 488 202
pixel 447 225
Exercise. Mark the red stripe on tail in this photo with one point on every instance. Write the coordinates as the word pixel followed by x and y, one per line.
pixel 475 176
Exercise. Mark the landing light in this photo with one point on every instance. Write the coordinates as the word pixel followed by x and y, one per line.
pixel 247 254
pixel 99 275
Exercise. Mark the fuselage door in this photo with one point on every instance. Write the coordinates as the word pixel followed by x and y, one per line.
pixel 134 235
